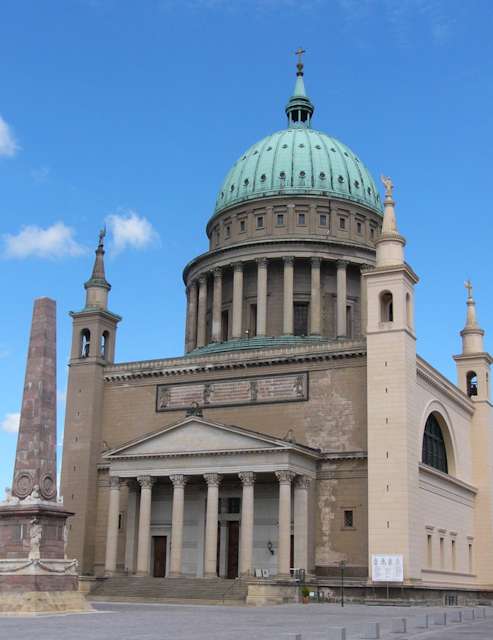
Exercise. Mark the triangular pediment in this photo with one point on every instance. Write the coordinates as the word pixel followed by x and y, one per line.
pixel 195 435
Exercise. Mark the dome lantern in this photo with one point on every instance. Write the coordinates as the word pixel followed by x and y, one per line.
pixel 299 108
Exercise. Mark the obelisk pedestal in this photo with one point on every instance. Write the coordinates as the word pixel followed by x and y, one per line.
pixel 35 575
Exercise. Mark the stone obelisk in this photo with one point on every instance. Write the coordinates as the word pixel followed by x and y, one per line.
pixel 35 575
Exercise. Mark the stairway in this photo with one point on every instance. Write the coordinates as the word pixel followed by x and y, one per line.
pixel 193 590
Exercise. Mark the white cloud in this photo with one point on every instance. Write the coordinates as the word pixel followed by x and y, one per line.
pixel 56 241
pixel 129 230
pixel 10 423
pixel 8 144
pixel 40 174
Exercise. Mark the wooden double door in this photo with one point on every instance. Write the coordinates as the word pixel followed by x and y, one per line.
pixel 232 549
pixel 160 548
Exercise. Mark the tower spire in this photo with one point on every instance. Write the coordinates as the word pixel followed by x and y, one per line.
pixel 97 287
pixel 390 245
pixel 299 108
pixel 472 334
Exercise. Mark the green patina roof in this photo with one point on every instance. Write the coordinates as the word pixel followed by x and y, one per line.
pixel 299 161
pixel 257 342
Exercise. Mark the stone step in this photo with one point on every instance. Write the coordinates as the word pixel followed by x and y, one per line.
pixel 214 589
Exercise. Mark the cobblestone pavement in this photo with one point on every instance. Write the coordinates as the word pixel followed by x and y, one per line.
pixel 112 621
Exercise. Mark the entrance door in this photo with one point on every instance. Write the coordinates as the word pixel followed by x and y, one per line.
pixel 159 556
pixel 233 548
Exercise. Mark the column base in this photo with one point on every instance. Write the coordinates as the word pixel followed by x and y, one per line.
pixel 175 574
pixel 210 575
pixel 142 574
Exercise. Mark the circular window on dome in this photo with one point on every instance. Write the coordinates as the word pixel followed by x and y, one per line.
pixel 255 152
pixel 302 174
pixel 244 158
pixel 356 184
pixel 346 154
pixel 232 187
pixel 269 148
pixel 369 191
pixel 263 178
pixel 245 182
pixel 301 146
pixel 317 146
pixel 282 175
pixel 284 146
pixel 333 150
pixel 340 179
pixel 222 195
pixel 322 175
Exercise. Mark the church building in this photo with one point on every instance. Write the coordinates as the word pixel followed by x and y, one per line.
pixel 300 431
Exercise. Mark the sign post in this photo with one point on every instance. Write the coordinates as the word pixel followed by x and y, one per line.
pixel 387 568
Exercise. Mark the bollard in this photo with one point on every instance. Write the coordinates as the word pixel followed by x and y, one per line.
pixel 455 616
pixel 399 625
pixel 439 619
pixel 423 622
pixel 372 631
pixel 468 614
pixel 337 633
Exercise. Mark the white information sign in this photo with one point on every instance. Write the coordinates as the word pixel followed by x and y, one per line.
pixel 386 568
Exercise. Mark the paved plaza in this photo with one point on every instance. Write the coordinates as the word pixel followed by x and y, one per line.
pixel 112 621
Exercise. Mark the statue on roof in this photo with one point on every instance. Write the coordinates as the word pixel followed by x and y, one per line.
pixel 388 184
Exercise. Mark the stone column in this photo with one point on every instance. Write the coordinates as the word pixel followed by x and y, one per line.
pixel 341 298
pixel 191 338
pixel 288 296
pixel 363 300
pixel 210 564
pixel 262 296
pixel 143 553
pixel 301 486
pixel 202 312
pixel 284 541
pixel 112 530
pixel 217 306
pixel 237 299
pixel 179 482
pixel 315 298
pixel 131 527
pixel 247 520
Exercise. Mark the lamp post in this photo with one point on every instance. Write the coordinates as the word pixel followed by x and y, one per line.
pixel 342 565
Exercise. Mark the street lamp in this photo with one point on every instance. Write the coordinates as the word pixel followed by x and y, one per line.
pixel 342 565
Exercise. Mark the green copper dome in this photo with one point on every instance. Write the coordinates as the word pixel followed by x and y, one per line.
pixel 299 161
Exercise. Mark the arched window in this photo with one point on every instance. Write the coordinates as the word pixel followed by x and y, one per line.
pixel 85 343
pixel 472 384
pixel 434 451
pixel 103 345
pixel 386 307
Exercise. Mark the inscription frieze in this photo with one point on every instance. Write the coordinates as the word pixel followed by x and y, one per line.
pixel 292 387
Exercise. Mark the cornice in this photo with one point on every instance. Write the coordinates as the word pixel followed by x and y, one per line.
pixel 189 365
pixel 429 374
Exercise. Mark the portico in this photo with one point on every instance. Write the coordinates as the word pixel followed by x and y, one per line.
pixel 205 499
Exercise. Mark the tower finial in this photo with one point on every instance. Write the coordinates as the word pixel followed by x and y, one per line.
pixel 299 52
pixel 102 235
pixel 472 334
pixel 97 286
pixel 471 321
pixel 389 221
pixel 299 108
pixel 390 245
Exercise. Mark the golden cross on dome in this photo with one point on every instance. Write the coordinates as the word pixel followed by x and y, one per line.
pixel 468 286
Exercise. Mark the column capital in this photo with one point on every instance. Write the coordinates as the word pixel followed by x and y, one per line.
pixel 191 286
pixel 217 272
pixel 247 478
pixel 178 480
pixel 238 266
pixel 146 482
pixel 202 278
pixel 285 477
pixel 288 259
pixel 316 262
pixel 261 262
pixel 342 264
pixel 213 479
pixel 366 267
pixel 114 482
pixel 302 482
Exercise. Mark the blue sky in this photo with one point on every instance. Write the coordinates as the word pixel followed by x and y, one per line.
pixel 132 112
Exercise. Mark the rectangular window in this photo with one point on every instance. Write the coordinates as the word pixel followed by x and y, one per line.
pixel 228 230
pixel 260 222
pixel 429 550
pixel 372 233
pixel 442 554
pixel 234 505
pixel 359 227
pixel 452 545
pixel 348 519
pixel 323 219
pixel 242 226
pixel 301 218
pixel 225 325
pixel 121 521
pixel 253 320
pixel 280 219
pixel 470 562
pixel 342 223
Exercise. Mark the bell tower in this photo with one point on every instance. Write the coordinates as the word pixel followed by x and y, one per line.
pixel 391 388
pixel 473 378
pixel 93 348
